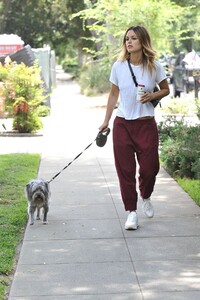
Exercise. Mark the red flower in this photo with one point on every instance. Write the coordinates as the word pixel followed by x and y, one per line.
pixel 20 106
pixel 23 106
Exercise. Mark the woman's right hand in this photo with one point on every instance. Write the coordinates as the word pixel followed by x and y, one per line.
pixel 103 127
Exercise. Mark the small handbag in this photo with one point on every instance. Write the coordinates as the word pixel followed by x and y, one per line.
pixel 156 89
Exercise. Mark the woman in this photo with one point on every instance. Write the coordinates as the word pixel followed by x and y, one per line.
pixel 135 132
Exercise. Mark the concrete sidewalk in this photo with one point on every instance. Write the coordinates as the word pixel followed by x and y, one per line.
pixel 84 253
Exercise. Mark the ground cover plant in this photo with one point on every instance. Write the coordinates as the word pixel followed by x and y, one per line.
pixel 15 171
pixel 180 153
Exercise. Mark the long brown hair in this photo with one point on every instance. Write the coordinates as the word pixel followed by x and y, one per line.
pixel 148 53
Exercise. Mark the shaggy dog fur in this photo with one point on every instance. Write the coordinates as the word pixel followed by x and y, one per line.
pixel 37 193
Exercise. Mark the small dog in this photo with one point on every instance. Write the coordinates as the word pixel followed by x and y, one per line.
pixel 38 193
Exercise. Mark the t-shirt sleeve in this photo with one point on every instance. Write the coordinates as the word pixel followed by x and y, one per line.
pixel 160 73
pixel 113 74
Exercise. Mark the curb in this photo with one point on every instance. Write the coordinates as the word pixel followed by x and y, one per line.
pixel 18 134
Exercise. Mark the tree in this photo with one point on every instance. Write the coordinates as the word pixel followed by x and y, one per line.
pixel 191 39
pixel 165 26
pixel 40 22
pixel 97 26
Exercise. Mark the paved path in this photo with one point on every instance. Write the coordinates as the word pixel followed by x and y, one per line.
pixel 84 253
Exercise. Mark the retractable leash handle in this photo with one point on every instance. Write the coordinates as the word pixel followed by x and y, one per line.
pixel 101 140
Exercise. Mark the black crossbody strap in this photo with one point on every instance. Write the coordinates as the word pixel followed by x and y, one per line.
pixel 132 74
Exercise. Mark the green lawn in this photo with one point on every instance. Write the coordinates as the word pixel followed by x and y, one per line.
pixel 15 172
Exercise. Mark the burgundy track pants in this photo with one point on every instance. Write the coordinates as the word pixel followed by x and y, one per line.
pixel 135 139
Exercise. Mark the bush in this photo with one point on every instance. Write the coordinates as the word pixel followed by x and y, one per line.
pixel 70 66
pixel 170 128
pixel 185 105
pixel 71 69
pixel 94 79
pixel 43 111
pixel 197 102
pixel 23 93
pixel 26 122
pixel 180 148
pixel 170 155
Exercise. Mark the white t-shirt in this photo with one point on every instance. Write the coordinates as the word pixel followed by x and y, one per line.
pixel 121 76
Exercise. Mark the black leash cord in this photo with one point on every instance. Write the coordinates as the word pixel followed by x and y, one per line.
pixel 70 162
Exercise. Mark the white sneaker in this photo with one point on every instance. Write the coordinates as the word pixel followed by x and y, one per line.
pixel 148 208
pixel 132 221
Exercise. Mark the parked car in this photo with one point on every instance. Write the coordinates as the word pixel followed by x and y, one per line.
pixel 184 74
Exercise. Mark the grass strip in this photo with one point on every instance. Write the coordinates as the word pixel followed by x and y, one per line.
pixel 192 187
pixel 15 172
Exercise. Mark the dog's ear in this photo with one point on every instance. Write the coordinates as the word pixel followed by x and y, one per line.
pixel 27 186
pixel 28 190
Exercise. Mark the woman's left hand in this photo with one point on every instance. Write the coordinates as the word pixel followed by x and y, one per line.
pixel 164 91
pixel 147 97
